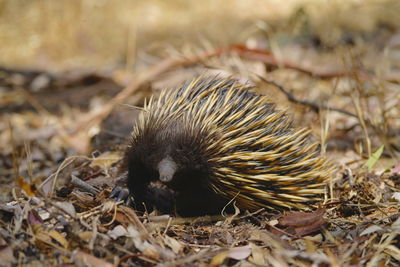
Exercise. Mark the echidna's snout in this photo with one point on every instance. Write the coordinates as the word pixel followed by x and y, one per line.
pixel 167 169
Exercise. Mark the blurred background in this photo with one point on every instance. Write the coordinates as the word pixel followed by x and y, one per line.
pixel 101 34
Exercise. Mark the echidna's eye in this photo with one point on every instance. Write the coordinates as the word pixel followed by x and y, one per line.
pixel 166 168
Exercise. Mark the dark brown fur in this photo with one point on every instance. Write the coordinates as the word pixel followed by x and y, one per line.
pixel 186 192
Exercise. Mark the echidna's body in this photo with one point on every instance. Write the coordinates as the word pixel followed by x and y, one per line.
pixel 211 141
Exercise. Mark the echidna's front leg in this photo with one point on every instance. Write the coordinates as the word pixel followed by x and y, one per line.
pixel 120 190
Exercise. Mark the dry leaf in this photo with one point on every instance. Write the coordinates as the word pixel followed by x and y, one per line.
pixel 57 236
pixel 118 231
pixel 300 218
pixel 239 253
pixel 105 160
pixel 309 229
pixel 371 229
pixel 393 251
pixel 396 225
pixel 219 259
pixel 173 244
pixel 34 219
pixel 236 253
pixel 396 196
pixel 28 188
pixel 86 235
pixel 90 260
pixel 66 206
pixel 302 223
pixel 257 255
pixel 142 245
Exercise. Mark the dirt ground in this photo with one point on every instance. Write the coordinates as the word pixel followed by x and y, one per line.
pixel 75 74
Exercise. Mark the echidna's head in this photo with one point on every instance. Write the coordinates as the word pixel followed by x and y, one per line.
pixel 171 154
pixel 167 152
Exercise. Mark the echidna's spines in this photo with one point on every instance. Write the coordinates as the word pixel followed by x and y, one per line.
pixel 248 145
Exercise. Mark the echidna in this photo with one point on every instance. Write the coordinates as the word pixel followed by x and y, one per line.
pixel 212 140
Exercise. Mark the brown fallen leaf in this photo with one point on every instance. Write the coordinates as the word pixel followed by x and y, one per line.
pixel 34 218
pixel 29 189
pixel 309 229
pixel 300 218
pixel 236 253
pixel 300 223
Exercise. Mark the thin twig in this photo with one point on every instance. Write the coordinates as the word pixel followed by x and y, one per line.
pixel 83 185
pixel 312 105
